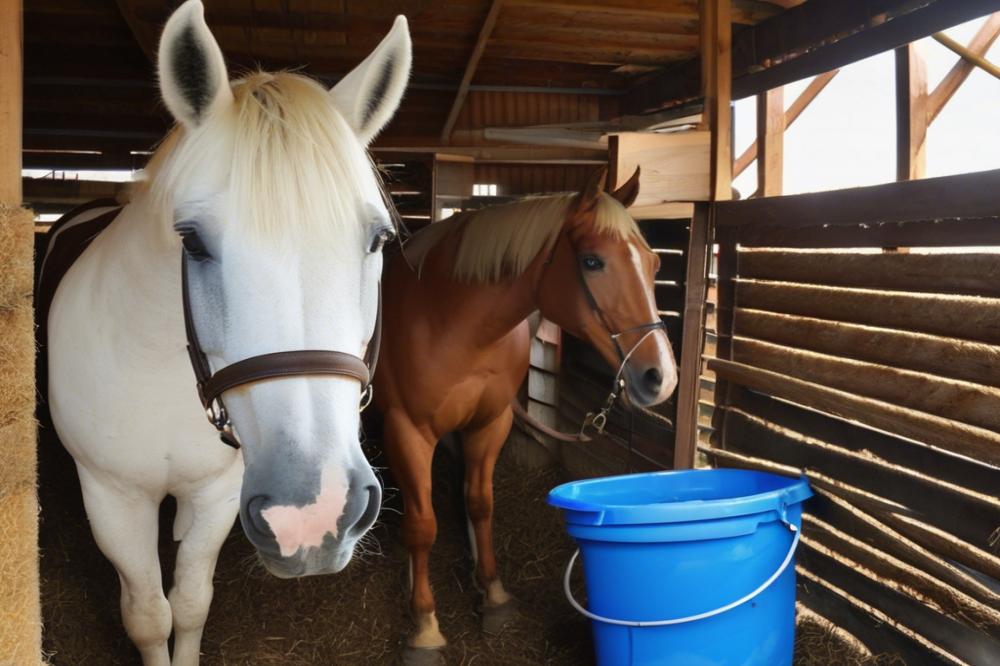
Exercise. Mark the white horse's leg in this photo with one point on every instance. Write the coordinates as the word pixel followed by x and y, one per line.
pixel 126 528
pixel 213 510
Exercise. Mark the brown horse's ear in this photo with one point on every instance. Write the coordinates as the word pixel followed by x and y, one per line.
pixel 627 193
pixel 593 190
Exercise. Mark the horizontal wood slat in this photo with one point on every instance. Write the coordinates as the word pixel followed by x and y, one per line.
pixel 948 398
pixel 910 580
pixel 949 637
pixel 856 437
pixel 919 233
pixel 965 317
pixel 936 503
pixel 971 441
pixel 940 199
pixel 880 638
pixel 946 357
pixel 860 524
pixel 951 273
pixel 932 538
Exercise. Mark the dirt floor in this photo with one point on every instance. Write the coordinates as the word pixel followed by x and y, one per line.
pixel 355 617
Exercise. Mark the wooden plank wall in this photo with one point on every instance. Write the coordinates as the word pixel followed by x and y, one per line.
pixel 585 378
pixel 876 374
pixel 484 109
pixel 520 179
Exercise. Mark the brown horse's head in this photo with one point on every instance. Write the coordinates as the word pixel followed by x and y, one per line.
pixel 598 285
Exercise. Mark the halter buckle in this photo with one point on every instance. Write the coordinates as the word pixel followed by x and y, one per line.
pixel 366 397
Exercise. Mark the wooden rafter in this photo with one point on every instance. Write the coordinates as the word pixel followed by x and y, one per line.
pixel 951 82
pixel 976 59
pixel 814 37
pixel 470 69
pixel 814 88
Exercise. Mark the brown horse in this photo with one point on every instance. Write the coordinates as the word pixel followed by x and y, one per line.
pixel 456 346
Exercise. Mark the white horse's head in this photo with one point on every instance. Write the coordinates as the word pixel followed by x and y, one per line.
pixel 269 189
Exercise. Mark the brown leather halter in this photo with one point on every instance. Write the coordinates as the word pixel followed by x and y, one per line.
pixel 593 420
pixel 275 365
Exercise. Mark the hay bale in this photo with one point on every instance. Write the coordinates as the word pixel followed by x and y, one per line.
pixel 20 615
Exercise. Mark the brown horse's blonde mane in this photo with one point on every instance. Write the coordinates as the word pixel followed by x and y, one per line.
pixel 501 241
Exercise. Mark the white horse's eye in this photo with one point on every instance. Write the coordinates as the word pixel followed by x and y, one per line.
pixel 194 246
pixel 383 236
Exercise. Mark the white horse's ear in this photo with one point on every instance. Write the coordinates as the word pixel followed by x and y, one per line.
pixel 370 93
pixel 193 78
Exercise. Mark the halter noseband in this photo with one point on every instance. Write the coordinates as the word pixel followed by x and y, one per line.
pixel 305 362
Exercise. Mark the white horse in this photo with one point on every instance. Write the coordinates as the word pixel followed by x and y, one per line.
pixel 266 190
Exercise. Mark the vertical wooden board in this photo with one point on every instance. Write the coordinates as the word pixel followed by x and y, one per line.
pixel 675 167
pixel 693 338
pixel 911 114
pixel 770 142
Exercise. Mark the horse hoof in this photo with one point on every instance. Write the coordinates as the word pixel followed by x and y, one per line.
pixel 416 656
pixel 496 618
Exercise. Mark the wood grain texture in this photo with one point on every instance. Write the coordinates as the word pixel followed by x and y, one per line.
pixel 944 357
pixel 963 317
pixel 977 443
pixel 961 401
pixel 971 273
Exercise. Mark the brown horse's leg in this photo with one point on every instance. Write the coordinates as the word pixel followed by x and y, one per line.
pixel 482 447
pixel 410 454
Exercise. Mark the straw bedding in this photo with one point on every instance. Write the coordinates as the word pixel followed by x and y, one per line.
pixel 19 607
pixel 358 616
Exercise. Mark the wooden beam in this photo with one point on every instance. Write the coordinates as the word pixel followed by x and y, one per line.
pixel 911 114
pixel 976 59
pixel 68 191
pixel 11 95
pixel 807 40
pixel 716 77
pixel 470 69
pixel 956 76
pixel 717 84
pixel 814 88
pixel 770 141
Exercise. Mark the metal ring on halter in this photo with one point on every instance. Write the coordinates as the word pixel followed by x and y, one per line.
pixel 217 414
pixel 366 397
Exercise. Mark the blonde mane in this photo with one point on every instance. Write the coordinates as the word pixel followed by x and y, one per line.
pixel 501 241
pixel 292 158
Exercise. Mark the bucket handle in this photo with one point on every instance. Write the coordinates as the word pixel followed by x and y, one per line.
pixel 691 618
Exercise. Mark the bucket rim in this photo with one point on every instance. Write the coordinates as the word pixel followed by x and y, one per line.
pixel 583 511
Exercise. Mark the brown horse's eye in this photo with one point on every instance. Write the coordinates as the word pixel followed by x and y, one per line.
pixel 591 262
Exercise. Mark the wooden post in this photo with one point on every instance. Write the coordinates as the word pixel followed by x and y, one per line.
pixel 770 141
pixel 10 102
pixel 911 114
pixel 20 616
pixel 717 82
pixel 795 109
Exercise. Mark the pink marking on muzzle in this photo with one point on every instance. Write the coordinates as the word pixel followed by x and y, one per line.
pixel 297 527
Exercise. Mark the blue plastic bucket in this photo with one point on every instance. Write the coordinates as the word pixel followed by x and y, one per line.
pixel 687 568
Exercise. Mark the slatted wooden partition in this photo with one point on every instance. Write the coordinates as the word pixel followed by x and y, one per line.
pixel 848 352
pixel 585 378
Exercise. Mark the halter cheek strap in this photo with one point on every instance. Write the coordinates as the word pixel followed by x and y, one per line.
pixel 307 362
